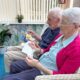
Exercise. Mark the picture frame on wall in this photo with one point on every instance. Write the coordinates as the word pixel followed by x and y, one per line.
pixel 61 1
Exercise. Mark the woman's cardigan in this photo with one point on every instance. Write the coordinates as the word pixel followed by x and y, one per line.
pixel 68 59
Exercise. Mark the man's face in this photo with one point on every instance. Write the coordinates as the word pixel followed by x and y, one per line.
pixel 53 21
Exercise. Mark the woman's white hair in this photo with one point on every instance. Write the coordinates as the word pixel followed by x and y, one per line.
pixel 72 15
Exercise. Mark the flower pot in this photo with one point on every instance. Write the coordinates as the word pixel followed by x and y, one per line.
pixel 19 20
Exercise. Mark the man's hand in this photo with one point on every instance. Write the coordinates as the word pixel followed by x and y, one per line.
pixel 35 35
pixel 31 33
pixel 37 49
pixel 33 45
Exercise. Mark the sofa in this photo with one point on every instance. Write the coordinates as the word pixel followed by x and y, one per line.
pixel 75 76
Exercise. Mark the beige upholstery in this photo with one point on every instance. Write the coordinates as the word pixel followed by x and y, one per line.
pixel 75 76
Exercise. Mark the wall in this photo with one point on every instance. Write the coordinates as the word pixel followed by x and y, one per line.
pixel 18 30
pixel 76 3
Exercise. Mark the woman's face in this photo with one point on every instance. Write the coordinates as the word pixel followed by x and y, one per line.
pixel 66 27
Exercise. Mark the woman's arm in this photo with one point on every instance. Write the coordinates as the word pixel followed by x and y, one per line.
pixel 44 69
pixel 35 63
pixel 72 61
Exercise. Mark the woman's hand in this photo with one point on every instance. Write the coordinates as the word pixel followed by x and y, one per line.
pixel 32 62
pixel 35 63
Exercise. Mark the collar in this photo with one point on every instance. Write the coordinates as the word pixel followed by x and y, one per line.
pixel 67 41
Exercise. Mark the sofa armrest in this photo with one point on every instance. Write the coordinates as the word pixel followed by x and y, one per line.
pixel 59 77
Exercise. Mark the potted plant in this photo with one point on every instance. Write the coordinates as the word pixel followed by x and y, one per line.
pixel 3 35
pixel 19 18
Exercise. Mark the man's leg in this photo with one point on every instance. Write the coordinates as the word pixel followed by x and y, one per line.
pixel 19 66
pixel 14 48
pixel 12 55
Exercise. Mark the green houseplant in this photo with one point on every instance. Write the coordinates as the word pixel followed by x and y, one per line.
pixel 19 18
pixel 3 35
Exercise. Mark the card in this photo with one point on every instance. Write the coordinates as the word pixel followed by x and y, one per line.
pixel 28 50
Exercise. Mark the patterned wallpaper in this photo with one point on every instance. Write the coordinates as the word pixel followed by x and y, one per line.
pixel 17 30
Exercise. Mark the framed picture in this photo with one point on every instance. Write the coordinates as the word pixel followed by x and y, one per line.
pixel 62 1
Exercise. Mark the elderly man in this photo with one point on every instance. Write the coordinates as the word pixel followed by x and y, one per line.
pixel 54 18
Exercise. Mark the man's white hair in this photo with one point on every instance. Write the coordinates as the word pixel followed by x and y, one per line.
pixel 57 11
pixel 72 15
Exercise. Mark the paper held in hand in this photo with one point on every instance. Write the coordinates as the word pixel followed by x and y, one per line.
pixel 28 50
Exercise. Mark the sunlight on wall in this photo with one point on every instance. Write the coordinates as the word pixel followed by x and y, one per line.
pixel 71 3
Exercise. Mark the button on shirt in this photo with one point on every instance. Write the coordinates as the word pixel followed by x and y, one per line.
pixel 48 59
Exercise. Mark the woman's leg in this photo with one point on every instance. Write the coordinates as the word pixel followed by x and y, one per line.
pixel 25 75
pixel 19 66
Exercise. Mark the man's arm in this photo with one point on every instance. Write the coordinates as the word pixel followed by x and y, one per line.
pixel 35 35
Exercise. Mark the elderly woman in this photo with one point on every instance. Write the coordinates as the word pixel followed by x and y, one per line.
pixel 62 58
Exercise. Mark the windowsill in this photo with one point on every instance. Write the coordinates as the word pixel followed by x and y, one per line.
pixel 16 23
pixel 1 46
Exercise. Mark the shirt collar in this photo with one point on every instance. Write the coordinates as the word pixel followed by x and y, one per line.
pixel 57 40
pixel 67 41
pixel 56 29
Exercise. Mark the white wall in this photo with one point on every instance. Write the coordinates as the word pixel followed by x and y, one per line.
pixel 8 10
